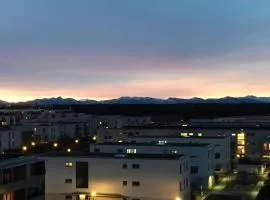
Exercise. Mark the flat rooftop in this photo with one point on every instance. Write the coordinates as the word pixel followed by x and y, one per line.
pixel 202 126
pixel 179 137
pixel 114 155
pixel 7 161
pixel 190 144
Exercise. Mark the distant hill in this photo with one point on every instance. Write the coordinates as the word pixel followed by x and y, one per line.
pixel 147 100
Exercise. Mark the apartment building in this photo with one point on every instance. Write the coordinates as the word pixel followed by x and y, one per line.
pixel 12 139
pixel 116 176
pixel 201 173
pixel 21 178
pixel 221 146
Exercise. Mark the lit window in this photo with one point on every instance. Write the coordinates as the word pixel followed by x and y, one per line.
pixel 233 134
pixel 190 134
pixel 68 164
pixel 184 134
pixel 162 142
pixel 131 150
pixel 174 151
pixel 200 134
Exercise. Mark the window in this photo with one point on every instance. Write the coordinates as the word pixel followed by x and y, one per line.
pixel 81 174
pixel 162 142
pixel 68 164
pixel 187 183
pixel 96 150
pixel 218 167
pixel 136 166
pixel 217 155
pixel 131 150
pixel 193 156
pixel 194 169
pixel 174 151
pixel 19 173
pixel 124 166
pixel 181 186
pixel 124 183
pixel 180 169
pixel 68 197
pixel 136 183
pixel 68 180
pixel 186 165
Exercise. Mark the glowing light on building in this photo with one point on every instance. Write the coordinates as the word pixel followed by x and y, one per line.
pixel 241 144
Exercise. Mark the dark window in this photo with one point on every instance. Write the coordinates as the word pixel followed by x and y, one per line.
pixel 193 156
pixel 37 169
pixel 68 180
pixel 218 167
pixel 96 150
pixel 81 174
pixel 136 183
pixel 124 183
pixel 124 166
pixel 120 151
pixel 19 194
pixel 187 182
pixel 68 197
pixel 194 169
pixel 136 166
pixel 181 186
pixel 186 165
pixel 7 176
pixel 180 169
pixel 217 155
pixel 19 173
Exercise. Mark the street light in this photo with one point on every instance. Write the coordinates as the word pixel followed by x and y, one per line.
pixel 93 194
pixel 24 148
pixel 76 141
pixel 55 144
pixel 33 143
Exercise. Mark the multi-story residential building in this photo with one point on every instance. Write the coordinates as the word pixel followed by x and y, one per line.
pixel 12 139
pixel 202 173
pixel 21 178
pixel 222 153
pixel 116 176
pixel 250 142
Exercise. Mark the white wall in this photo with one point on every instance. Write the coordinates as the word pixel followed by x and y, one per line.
pixel 159 179
pixel 196 155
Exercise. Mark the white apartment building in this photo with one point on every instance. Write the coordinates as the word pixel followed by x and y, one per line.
pixel 200 156
pixel 116 176
pixel 221 144
pixel 11 139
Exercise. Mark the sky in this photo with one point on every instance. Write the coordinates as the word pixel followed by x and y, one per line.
pixel 103 49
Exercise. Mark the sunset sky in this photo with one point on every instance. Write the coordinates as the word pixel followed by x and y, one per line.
pixel 101 49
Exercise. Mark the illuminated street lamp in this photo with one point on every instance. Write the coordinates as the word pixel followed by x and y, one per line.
pixel 68 150
pixel 24 148
pixel 33 143
pixel 93 194
pixel 77 141
pixel 55 144
pixel 94 138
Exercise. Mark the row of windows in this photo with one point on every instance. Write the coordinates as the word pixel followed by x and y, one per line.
pixel 134 166
pixel 134 183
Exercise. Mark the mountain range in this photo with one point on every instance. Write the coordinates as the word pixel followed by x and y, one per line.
pixel 146 100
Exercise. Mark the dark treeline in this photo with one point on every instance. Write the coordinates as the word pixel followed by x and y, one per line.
pixel 183 110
